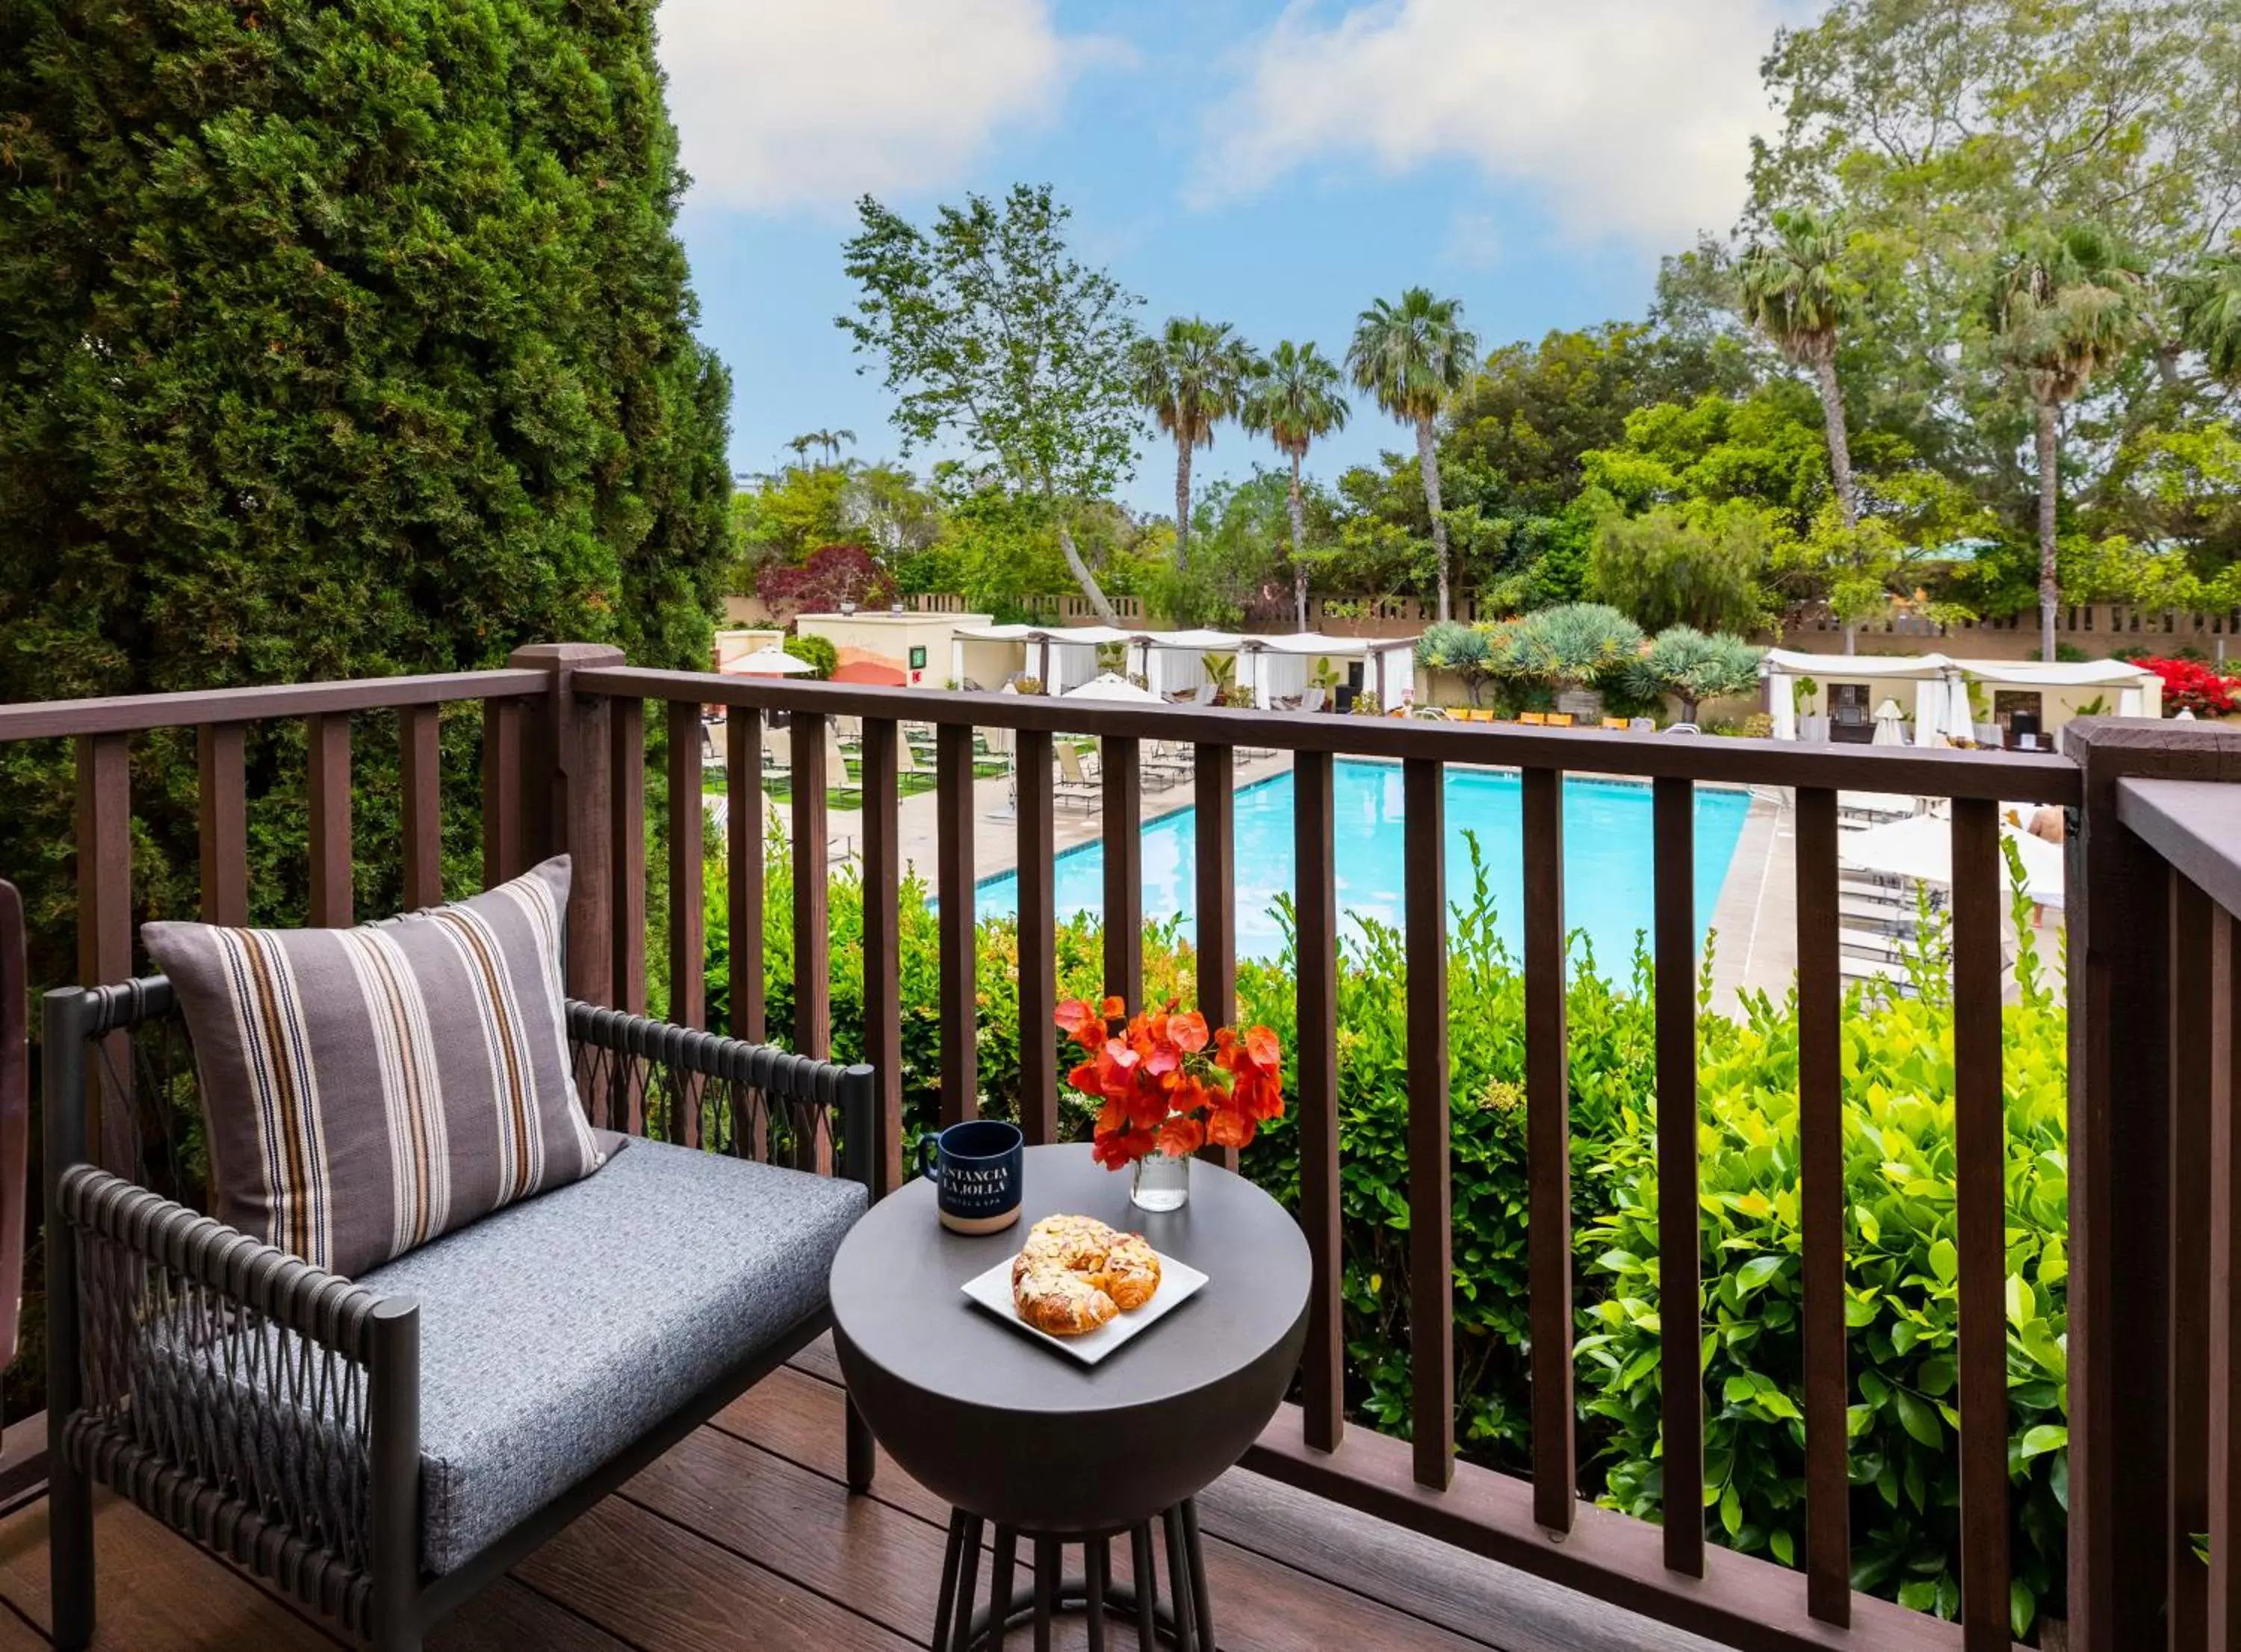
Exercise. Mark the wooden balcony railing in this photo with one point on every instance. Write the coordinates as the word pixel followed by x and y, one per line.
pixel 2155 1159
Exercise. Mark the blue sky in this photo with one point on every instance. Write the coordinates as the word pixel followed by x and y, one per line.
pixel 1273 166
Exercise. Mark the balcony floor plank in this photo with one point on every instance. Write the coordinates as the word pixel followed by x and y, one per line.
pixel 741 1539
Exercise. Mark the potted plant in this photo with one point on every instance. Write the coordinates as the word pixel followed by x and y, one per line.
pixel 1169 1086
pixel 1810 726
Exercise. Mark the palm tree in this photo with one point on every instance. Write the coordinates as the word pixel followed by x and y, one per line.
pixel 2210 313
pixel 827 442
pixel 1295 398
pixel 1411 355
pixel 1189 377
pixel 2063 304
pixel 1794 291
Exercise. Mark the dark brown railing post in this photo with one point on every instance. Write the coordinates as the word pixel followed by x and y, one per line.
pixel 953 888
pixel 1323 1392
pixel 881 779
pixel 567 809
pixel 104 923
pixel 1679 1239
pixel 1033 779
pixel 221 810
pixel 2120 1300
pixel 1431 1266
pixel 1214 783
pixel 1548 1151
pixel 420 775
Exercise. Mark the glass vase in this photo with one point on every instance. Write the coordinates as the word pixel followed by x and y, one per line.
pixel 1160 1182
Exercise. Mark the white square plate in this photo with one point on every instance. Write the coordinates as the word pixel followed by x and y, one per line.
pixel 1178 1282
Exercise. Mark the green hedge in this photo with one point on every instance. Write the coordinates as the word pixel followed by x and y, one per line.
pixel 1897 1066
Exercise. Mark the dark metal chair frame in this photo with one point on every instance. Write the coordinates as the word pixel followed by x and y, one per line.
pixel 361 1569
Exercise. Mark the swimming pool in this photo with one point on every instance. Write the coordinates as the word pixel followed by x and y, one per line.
pixel 1609 883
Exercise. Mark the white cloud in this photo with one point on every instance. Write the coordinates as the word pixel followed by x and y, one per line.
pixel 1629 119
pixel 811 102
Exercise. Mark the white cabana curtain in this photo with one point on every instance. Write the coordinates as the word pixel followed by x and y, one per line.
pixel 1782 704
pixel 1929 713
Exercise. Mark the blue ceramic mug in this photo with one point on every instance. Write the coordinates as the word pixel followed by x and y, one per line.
pixel 976 1168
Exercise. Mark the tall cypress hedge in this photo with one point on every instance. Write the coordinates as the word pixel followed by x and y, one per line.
pixel 337 338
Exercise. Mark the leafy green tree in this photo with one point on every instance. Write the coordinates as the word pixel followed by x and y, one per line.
pixel 2064 304
pixel 815 651
pixel 1239 575
pixel 1692 668
pixel 1295 398
pixel 1532 410
pixel 1411 357
pixel 1795 291
pixel 1190 375
pixel 339 340
pixel 1666 568
pixel 2209 302
pixel 990 330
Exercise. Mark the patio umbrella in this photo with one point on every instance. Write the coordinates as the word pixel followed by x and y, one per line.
pixel 768 662
pixel 1110 686
pixel 1921 847
pixel 1890 724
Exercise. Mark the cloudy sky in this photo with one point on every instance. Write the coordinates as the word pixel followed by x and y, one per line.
pixel 1272 165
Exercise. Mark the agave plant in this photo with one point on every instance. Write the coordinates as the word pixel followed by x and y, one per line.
pixel 1468 651
pixel 1572 646
pixel 1692 668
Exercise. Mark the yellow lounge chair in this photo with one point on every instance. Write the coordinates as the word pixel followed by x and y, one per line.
pixel 1560 719
pixel 1533 720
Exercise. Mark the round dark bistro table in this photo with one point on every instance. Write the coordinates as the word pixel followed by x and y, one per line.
pixel 1025 1441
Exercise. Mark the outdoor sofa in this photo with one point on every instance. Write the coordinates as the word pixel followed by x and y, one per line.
pixel 382 1448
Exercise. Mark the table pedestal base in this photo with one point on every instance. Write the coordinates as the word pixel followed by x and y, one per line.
pixel 961 1624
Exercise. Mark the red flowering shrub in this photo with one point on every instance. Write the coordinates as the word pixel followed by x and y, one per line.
pixel 2190 685
pixel 834 574
pixel 1168 1084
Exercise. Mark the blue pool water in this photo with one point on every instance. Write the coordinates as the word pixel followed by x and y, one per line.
pixel 1608 879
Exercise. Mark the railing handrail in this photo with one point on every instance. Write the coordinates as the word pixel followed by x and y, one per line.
pixel 2195 825
pixel 2018 776
pixel 132 713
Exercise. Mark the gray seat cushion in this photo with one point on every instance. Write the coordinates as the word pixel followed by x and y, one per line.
pixel 557 1332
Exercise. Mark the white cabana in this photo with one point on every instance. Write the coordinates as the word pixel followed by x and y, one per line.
pixel 1273 668
pixel 1174 662
pixel 1921 847
pixel 980 655
pixel 1065 657
pixel 1941 686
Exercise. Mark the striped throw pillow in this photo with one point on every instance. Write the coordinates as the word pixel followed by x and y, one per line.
pixel 369 1089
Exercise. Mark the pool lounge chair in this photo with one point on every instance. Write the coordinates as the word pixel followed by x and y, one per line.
pixel 1164 763
pixel 1560 719
pixel 1533 720
pixel 836 767
pixel 1313 700
pixel 1073 785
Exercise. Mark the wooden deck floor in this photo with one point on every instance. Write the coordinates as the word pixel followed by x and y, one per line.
pixel 743 1538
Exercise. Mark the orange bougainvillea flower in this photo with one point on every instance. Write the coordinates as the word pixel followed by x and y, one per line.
pixel 1180 1137
pixel 1159 1086
pixel 1080 1021
pixel 1260 1044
